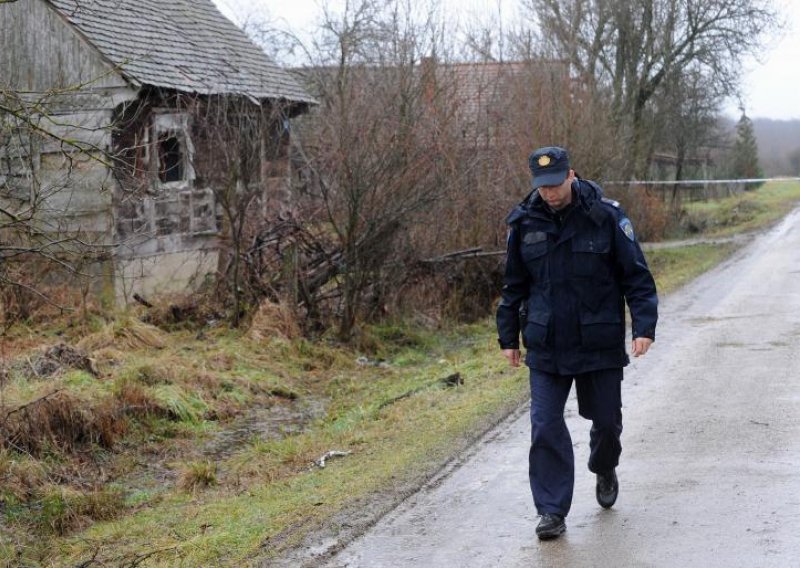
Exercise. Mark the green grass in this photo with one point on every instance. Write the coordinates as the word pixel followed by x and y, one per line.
pixel 747 211
pixel 674 267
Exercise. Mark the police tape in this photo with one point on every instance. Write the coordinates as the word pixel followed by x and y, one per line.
pixel 699 181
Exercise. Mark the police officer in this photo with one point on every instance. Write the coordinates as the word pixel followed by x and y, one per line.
pixel 572 263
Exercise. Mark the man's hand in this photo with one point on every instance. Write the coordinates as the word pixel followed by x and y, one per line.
pixel 513 356
pixel 640 346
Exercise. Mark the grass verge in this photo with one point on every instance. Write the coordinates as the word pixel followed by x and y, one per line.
pixel 214 464
pixel 740 213
pixel 674 267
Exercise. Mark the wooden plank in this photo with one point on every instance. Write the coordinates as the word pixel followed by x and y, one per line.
pixel 40 50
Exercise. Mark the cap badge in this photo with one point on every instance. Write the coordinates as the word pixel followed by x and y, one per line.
pixel 544 160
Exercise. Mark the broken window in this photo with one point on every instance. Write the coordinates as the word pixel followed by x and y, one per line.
pixel 171 156
pixel 173 150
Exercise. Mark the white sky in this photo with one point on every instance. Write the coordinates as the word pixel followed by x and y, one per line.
pixel 771 85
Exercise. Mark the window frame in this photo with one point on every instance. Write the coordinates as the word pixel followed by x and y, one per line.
pixel 177 125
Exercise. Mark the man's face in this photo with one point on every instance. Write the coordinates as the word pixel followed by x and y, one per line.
pixel 558 196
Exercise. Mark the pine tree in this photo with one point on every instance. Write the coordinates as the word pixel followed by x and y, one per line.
pixel 745 151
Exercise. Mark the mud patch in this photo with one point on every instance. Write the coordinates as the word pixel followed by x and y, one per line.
pixel 55 359
pixel 285 417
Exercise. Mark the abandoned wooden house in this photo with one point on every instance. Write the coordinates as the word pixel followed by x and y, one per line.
pixel 161 112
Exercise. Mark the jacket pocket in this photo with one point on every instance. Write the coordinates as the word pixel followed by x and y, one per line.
pixel 536 332
pixel 590 255
pixel 534 250
pixel 601 330
pixel 535 257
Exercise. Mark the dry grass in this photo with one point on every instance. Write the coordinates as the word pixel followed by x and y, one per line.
pixel 20 476
pixel 64 510
pixel 127 333
pixel 198 475
pixel 23 304
pixel 136 401
pixel 63 422
pixel 273 320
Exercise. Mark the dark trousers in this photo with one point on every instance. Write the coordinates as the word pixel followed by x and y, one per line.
pixel 551 460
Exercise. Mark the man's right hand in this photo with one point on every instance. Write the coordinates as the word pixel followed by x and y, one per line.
pixel 513 356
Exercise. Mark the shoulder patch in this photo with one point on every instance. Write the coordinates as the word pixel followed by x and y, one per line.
pixel 610 202
pixel 627 228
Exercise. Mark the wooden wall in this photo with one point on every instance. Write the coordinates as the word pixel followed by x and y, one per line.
pixel 40 51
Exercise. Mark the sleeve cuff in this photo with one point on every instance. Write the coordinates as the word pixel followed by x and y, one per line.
pixel 650 334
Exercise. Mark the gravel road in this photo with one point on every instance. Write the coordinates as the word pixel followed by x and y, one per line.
pixel 710 471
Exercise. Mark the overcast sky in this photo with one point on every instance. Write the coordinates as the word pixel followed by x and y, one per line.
pixel 771 86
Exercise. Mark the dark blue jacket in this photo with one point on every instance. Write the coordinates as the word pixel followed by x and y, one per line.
pixel 568 275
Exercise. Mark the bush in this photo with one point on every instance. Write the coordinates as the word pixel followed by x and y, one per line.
pixel 647 211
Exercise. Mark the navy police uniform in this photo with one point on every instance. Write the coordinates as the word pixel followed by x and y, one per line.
pixel 568 275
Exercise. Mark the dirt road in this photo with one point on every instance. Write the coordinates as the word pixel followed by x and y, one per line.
pixel 710 472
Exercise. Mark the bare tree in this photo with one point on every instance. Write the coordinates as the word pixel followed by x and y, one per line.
pixel 630 48
pixel 371 146
pixel 241 144
pixel 417 150
pixel 686 112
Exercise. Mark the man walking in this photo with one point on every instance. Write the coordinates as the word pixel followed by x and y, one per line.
pixel 572 263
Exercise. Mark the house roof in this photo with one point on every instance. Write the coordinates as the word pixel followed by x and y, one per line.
pixel 186 45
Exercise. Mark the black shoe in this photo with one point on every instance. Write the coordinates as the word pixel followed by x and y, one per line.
pixel 607 489
pixel 551 526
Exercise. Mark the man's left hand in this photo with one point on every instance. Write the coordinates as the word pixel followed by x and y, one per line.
pixel 640 346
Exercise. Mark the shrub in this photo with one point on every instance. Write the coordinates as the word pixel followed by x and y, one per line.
pixel 647 211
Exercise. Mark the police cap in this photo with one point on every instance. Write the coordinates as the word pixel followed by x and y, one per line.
pixel 549 166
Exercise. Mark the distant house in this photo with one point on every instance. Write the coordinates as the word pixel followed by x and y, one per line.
pixel 664 165
pixel 160 97
pixel 494 98
pixel 495 107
